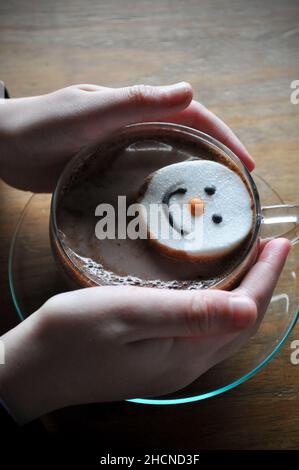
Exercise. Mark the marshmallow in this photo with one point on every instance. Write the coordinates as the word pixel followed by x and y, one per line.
pixel 196 209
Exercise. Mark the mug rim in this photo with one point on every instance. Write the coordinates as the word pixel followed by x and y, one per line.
pixel 173 128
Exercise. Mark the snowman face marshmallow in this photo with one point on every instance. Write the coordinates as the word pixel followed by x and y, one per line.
pixel 196 209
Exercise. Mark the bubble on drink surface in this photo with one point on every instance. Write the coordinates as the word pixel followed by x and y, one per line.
pixel 99 275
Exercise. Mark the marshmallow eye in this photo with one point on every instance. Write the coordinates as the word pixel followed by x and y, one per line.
pixel 210 189
pixel 217 218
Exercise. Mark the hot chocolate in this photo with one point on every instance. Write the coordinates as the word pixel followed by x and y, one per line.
pixel 120 166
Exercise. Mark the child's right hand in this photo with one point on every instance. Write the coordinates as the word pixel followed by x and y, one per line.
pixel 40 134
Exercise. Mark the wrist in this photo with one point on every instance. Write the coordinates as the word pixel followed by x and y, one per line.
pixel 22 376
pixel 7 135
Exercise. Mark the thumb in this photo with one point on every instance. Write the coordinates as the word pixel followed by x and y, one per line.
pixel 111 108
pixel 154 313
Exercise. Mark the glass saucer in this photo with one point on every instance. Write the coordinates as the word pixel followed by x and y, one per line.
pixel 34 277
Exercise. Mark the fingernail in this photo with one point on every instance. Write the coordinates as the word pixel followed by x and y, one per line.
pixel 180 86
pixel 242 309
pixel 275 247
pixel 282 243
pixel 251 162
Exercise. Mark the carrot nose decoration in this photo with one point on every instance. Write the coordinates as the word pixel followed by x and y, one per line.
pixel 196 206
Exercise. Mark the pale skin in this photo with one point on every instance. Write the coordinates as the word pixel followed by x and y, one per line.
pixel 112 343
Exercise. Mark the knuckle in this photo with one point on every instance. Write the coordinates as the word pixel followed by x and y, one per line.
pixel 140 94
pixel 199 313
pixel 258 298
pixel 48 317
pixel 52 303
pixel 68 92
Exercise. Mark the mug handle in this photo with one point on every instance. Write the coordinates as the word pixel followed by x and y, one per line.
pixel 281 220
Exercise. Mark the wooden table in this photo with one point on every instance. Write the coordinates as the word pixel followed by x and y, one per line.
pixel 240 57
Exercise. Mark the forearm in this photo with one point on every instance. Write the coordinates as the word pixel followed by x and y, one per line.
pixel 22 384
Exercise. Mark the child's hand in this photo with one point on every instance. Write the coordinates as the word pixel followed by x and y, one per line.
pixel 39 134
pixel 111 343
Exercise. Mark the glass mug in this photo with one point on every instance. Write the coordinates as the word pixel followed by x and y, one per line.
pixel 269 221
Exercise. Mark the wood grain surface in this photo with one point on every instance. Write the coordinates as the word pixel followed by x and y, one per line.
pixel 241 57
